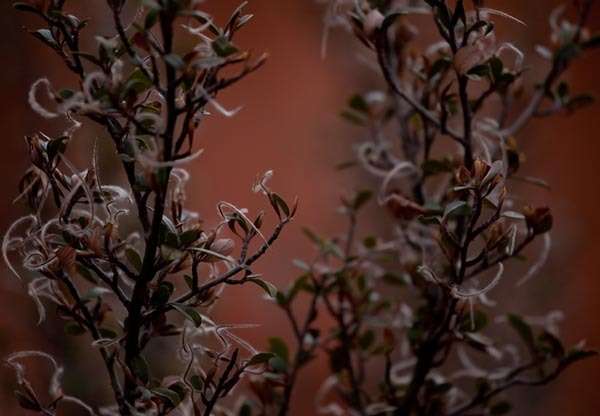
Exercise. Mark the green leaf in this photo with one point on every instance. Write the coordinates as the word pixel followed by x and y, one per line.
pixel 45 35
pixel 26 402
pixel 138 82
pixel 66 93
pixel 434 167
pixel 497 68
pixel 74 329
pixel 169 395
pixel 361 198
pixel 190 236
pixel 457 208
pixel 134 258
pixel 189 281
pixel 85 273
pixel 196 382
pixel 575 355
pixel 189 313
pixel 366 340
pixel 162 294
pixel 393 279
pixel 551 344
pixel 140 369
pixel 268 287
pixel 278 364
pixel 314 238
pixel 279 204
pixel 439 66
pixel 174 60
pixel 370 242
pixel 352 117
pixel 474 324
pixel 522 328
pixel 223 48
pixel 580 101
pixel 261 358
pixel 358 103
pixel 245 410
pixel 567 52
pixel 593 42
pixel 278 347
pixel 180 388
pixel 107 333
pixel 56 147
pixel 25 7
pixel 300 284
pixel 151 19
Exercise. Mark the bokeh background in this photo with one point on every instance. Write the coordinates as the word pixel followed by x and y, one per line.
pixel 290 124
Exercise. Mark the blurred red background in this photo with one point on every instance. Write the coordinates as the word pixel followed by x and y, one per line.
pixel 289 123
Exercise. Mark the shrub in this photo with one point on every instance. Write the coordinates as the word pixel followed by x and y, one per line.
pixel 130 265
pixel 128 286
pixel 412 308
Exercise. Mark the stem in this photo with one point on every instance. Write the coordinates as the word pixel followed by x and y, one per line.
pixel 509 382
pixel 91 326
pixel 135 319
pixel 301 351
pixel 463 83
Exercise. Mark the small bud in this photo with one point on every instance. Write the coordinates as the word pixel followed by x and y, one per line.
pixel 480 169
pixel 373 22
pixel 539 220
pixel 462 176
pixel 66 257
pixel 496 180
pixel 503 194
pixel 405 32
pixel 495 234
pixel 470 56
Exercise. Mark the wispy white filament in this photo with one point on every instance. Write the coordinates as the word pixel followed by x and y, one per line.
pixel 34 103
pixel 401 170
pixel 218 106
pixel 238 211
pixel 8 241
pixel 541 261
pixel 501 14
pixel 457 292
